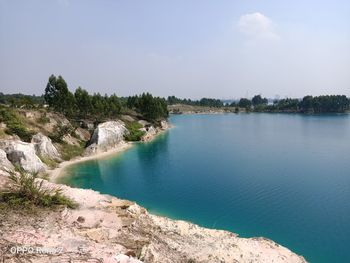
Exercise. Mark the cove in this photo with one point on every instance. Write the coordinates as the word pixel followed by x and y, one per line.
pixel 281 176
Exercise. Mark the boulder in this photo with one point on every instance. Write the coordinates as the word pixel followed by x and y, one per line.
pixel 106 136
pixel 5 164
pixel 150 132
pixel 44 147
pixel 164 125
pixel 22 154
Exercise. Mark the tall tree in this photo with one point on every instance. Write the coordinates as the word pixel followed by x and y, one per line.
pixel 57 95
pixel 83 101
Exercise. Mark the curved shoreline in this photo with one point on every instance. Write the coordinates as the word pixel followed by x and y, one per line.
pixel 58 172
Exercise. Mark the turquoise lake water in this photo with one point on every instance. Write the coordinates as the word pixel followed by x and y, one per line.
pixel 282 176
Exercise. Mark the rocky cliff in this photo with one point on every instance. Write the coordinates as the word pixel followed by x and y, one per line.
pixel 106 136
pixel 22 154
pixel 108 229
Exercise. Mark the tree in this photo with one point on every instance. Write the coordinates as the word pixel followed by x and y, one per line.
pixel 258 100
pixel 83 101
pixel 306 105
pixel 244 103
pixel 57 95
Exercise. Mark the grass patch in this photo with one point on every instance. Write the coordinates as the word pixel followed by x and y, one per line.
pixel 48 161
pixel 134 131
pixel 28 192
pixel 15 124
pixel 69 151
pixel 43 119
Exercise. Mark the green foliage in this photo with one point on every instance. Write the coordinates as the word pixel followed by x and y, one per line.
pixel 152 108
pixel 60 131
pixel 43 119
pixel 15 124
pixel 83 100
pixel 258 100
pixel 69 151
pixel 207 102
pixel 245 103
pixel 134 131
pixel 27 190
pixel 48 161
pixel 21 100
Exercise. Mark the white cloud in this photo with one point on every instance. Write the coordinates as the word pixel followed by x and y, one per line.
pixel 257 25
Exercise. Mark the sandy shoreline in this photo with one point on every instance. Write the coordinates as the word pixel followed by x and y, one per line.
pixel 59 171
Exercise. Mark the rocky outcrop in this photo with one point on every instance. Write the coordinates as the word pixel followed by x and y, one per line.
pixel 164 125
pixel 5 165
pixel 150 132
pixel 108 229
pixel 44 147
pixel 22 154
pixel 106 136
pixel 82 134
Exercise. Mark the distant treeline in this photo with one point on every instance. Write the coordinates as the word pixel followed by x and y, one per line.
pixel 202 102
pixel 21 100
pixel 81 104
pixel 309 104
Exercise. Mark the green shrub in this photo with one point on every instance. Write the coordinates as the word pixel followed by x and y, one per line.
pixel 48 161
pixel 134 131
pixel 15 124
pixel 43 119
pixel 27 191
pixel 69 151
pixel 60 131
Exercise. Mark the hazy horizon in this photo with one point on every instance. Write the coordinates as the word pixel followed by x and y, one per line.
pixel 190 49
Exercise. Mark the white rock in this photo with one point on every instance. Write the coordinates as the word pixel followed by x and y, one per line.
pixel 44 147
pixel 5 164
pixel 164 125
pixel 22 154
pixel 106 136
pixel 150 132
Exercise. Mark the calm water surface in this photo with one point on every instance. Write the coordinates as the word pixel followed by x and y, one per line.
pixel 281 176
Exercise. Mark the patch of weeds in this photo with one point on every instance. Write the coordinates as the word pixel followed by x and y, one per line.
pixel 27 191
pixel 69 151
pixel 134 131
pixel 48 161
pixel 43 119
pixel 15 124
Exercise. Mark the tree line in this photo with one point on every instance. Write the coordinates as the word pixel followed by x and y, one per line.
pixel 206 102
pixel 309 104
pixel 83 105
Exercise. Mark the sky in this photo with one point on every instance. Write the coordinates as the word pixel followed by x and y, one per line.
pixel 188 48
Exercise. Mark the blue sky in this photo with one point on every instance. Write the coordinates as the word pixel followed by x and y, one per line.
pixel 202 48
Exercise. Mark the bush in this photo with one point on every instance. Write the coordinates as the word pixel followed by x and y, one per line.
pixel 48 161
pixel 43 119
pixel 134 131
pixel 27 191
pixel 15 124
pixel 69 151
pixel 60 131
